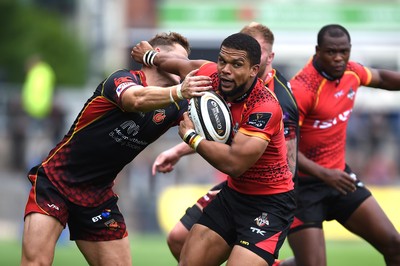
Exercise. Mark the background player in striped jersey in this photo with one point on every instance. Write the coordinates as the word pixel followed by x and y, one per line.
pixel 325 90
pixel 73 185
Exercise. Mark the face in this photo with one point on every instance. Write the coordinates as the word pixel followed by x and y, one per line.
pixel 332 56
pixel 235 72
pixel 172 79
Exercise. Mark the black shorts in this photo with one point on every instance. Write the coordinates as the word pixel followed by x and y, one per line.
pixel 318 202
pixel 256 222
pixel 101 223
pixel 192 214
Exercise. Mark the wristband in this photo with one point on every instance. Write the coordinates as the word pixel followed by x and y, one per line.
pixel 188 135
pixel 195 142
pixel 179 91
pixel 148 57
pixel 172 98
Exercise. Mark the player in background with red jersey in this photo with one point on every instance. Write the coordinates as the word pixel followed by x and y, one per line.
pixel 128 111
pixel 247 221
pixel 275 82
pixel 325 90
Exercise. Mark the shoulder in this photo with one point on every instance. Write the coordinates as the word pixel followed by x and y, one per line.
pixel 307 79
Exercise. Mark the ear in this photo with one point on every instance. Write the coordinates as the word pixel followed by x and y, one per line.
pixel 254 70
pixel 157 49
pixel 271 57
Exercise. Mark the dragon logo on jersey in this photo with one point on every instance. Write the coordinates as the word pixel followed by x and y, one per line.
pixel 259 120
pixel 159 116
pixel 262 219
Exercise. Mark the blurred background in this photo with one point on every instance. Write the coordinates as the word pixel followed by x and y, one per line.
pixel 69 46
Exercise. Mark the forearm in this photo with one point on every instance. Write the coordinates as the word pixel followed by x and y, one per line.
pixel 309 167
pixel 291 146
pixel 144 99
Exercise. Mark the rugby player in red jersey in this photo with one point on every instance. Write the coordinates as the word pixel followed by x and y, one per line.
pixel 325 90
pixel 128 111
pixel 247 221
pixel 276 83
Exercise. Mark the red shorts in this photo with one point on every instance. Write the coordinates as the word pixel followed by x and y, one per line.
pixel 101 223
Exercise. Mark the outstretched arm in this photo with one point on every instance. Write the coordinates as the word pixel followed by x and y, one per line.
pixel 144 99
pixel 169 62
pixel 385 79
pixel 166 160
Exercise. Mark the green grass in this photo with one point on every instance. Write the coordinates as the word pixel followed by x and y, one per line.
pixel 153 250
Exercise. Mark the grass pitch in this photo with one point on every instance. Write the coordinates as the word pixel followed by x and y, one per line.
pixel 152 250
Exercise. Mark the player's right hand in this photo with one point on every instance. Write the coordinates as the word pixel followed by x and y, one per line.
pixel 165 162
pixel 139 50
pixel 340 180
pixel 195 86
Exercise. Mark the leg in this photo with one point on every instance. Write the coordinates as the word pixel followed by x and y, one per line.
pixel 308 246
pixel 176 238
pixel 114 252
pixel 371 223
pixel 241 256
pixel 203 247
pixel 41 233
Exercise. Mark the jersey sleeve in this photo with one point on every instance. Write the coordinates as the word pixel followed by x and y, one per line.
pixel 363 73
pixel 117 83
pixel 262 121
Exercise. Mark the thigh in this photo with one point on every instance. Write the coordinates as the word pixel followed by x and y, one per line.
pixel 203 246
pixel 251 259
pixel 39 239
pixel 114 252
pixel 308 246
pixel 370 222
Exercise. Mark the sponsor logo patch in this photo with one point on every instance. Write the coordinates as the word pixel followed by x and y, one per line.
pixel 122 87
pixel 259 120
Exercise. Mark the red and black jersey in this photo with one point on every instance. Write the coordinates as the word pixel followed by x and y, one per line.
pixel 325 107
pixel 282 89
pixel 103 139
pixel 258 114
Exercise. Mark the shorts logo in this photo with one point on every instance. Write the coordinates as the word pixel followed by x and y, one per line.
pixel 257 231
pixel 53 206
pixel 262 219
pixel 112 225
pixel 104 215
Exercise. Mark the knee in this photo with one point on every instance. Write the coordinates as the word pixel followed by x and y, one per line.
pixel 175 243
pixel 392 247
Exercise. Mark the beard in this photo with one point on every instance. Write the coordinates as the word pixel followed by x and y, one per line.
pixel 236 91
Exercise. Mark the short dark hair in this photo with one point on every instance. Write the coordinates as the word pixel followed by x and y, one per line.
pixel 244 42
pixel 333 30
pixel 169 39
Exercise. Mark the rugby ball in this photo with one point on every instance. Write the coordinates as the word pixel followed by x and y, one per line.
pixel 211 117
